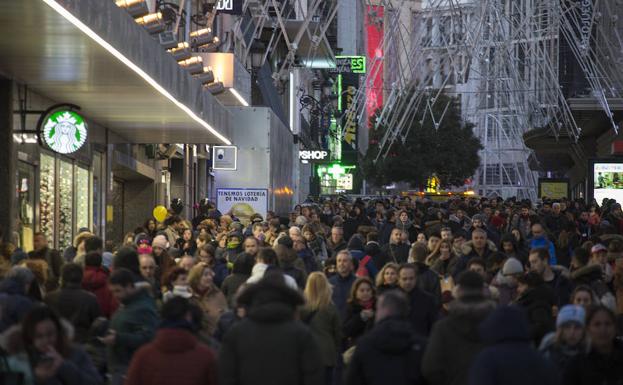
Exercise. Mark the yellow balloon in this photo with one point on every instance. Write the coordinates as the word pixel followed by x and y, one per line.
pixel 160 213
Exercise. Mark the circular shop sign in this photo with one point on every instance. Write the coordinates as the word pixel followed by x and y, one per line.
pixel 65 131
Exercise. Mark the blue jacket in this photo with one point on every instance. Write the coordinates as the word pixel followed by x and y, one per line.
pixel 543 242
pixel 341 291
pixel 13 302
pixel 358 256
pixel 509 358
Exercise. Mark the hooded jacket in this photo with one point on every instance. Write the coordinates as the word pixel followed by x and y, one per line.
pixel 454 342
pixel 13 302
pixel 135 324
pixel 78 306
pixel 95 280
pixel 389 354
pixel 174 357
pixel 269 347
pixel 509 358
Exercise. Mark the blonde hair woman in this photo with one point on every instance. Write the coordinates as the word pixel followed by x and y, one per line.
pixel 387 278
pixel 205 294
pixel 323 319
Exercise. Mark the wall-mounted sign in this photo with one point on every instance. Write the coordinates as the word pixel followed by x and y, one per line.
pixel 224 158
pixel 350 64
pixel 313 155
pixel 242 202
pixel 64 131
pixel 232 7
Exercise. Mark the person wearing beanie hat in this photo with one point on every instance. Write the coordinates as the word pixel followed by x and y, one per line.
pixel 569 339
pixel 160 241
pixel 459 330
pixel 506 280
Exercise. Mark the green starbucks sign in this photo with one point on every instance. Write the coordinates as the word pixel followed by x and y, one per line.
pixel 64 131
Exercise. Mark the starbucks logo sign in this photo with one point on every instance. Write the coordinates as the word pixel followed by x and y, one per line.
pixel 65 131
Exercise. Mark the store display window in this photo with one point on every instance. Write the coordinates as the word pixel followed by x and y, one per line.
pixel 25 205
pixel 65 209
pixel 47 197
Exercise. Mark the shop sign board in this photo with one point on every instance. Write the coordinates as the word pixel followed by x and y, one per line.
pixel 313 155
pixel 224 158
pixel 64 131
pixel 349 65
pixel 242 202
pixel 232 7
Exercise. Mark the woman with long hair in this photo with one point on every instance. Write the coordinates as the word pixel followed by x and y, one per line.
pixel 583 296
pixel 205 294
pixel 359 310
pixel 52 357
pixel 150 228
pixel 387 278
pixel 603 364
pixel 569 339
pixel 323 319
pixel 443 260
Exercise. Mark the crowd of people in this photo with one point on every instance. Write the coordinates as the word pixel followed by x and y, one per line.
pixel 378 291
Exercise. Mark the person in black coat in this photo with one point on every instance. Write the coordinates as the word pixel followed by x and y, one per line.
pixel 510 358
pixel 537 300
pixel 71 302
pixel 269 346
pixel 359 310
pixel 422 311
pixel 391 353
pixel 395 251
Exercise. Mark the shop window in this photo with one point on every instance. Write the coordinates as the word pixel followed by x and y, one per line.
pixel 65 209
pixel 47 201
pixel 26 205
pixel 82 198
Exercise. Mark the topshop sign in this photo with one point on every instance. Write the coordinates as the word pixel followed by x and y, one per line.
pixel 313 155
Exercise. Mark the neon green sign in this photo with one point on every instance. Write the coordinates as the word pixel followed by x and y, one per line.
pixel 350 64
pixel 65 131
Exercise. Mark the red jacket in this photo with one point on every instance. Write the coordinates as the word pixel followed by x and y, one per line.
pixel 174 357
pixel 95 280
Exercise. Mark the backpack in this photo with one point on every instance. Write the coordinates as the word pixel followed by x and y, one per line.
pixel 362 270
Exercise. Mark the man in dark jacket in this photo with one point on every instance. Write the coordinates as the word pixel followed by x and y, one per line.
pixel 554 279
pixel 269 346
pixel 336 242
pixel 454 341
pixel 510 358
pixel 52 257
pixel 175 356
pixel 392 352
pixel 427 279
pixel 395 251
pixel 342 281
pixel 423 311
pixel 71 302
pixel 132 326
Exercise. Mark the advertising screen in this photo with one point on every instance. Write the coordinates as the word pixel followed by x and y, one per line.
pixel 608 181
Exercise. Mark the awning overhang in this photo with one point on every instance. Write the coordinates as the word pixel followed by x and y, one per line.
pixel 93 54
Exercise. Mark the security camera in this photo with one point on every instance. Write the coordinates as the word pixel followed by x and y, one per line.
pixel 220 154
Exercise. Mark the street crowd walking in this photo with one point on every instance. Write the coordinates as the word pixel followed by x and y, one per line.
pixel 400 290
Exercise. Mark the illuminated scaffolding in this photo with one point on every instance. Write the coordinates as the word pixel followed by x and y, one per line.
pixel 501 60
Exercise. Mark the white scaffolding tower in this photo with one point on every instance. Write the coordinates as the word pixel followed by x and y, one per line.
pixel 500 58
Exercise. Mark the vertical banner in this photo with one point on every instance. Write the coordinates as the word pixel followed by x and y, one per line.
pixel 374 50
pixel 350 83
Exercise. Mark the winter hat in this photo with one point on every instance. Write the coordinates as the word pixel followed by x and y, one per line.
pixel 160 241
pixel 598 248
pixel 512 266
pixel 571 313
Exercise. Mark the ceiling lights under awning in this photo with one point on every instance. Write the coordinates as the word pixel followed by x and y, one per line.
pixel 93 54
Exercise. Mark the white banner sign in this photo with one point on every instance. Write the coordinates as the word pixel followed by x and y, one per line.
pixel 242 203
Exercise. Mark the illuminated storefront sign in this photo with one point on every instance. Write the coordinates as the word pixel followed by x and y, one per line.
pixel 64 131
